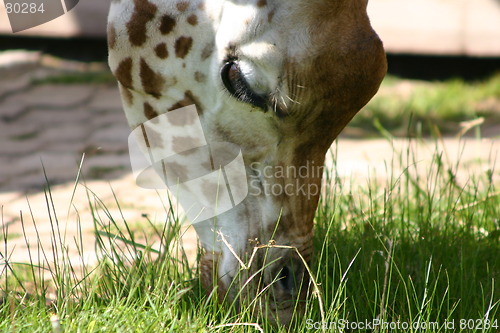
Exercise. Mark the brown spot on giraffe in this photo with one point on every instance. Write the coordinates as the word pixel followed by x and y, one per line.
pixel 261 3
pixel 127 94
pixel 209 189
pixel 152 138
pixel 200 77
pixel 144 11
pixel 207 165
pixel 161 51
pixel 207 51
pixel 167 24
pixel 184 144
pixel 189 99
pixel 182 6
pixel 176 172
pixel 152 82
pixel 192 19
pixel 111 36
pixel 149 111
pixel 183 46
pixel 123 72
pixel 270 16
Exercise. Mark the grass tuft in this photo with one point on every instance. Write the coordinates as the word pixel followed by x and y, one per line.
pixel 427 105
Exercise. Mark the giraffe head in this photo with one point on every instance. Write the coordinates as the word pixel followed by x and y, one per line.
pixel 279 79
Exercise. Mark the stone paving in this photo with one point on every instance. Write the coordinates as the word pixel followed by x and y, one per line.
pixel 45 129
pixel 55 124
pixel 52 125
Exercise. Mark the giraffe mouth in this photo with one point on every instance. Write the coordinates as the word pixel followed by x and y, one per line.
pixel 235 83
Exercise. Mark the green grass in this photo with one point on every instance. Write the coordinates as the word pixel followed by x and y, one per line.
pixel 25 136
pixel 442 103
pixel 90 77
pixel 413 249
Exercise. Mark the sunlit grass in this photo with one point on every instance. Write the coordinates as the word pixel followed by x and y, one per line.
pixel 416 248
pixel 442 103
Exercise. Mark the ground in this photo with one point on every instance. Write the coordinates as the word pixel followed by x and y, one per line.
pixel 48 122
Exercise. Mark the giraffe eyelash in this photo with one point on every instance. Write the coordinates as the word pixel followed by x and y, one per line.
pixel 235 83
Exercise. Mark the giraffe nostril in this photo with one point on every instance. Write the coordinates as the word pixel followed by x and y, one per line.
pixel 286 279
pixel 235 83
pixel 291 278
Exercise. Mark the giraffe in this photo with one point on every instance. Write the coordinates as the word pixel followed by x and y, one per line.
pixel 279 79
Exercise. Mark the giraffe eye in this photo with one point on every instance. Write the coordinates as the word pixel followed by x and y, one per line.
pixel 235 83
